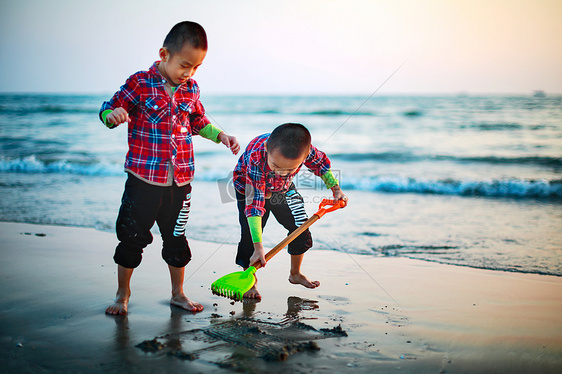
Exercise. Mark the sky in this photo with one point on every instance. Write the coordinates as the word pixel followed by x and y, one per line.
pixel 326 47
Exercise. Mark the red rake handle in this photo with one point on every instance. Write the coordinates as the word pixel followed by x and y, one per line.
pixel 327 205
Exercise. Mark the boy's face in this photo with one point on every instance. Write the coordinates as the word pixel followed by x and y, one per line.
pixel 281 165
pixel 178 68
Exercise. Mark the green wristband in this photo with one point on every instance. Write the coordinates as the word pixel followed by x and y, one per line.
pixel 104 115
pixel 255 228
pixel 211 132
pixel 329 179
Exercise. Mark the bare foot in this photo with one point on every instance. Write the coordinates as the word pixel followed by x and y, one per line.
pixel 183 302
pixel 253 293
pixel 303 280
pixel 120 304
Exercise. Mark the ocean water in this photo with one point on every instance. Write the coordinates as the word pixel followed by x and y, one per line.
pixel 464 180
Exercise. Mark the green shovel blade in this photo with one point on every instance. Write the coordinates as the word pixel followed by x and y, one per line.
pixel 235 285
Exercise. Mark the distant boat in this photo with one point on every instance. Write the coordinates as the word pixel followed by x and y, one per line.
pixel 539 93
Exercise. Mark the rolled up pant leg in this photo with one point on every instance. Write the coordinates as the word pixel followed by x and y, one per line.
pixel 288 209
pixel 141 206
pixel 172 221
pixel 137 214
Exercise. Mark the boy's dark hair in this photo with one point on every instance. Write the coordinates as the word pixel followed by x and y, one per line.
pixel 183 33
pixel 291 139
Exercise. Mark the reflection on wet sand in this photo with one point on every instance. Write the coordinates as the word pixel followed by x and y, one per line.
pixel 237 343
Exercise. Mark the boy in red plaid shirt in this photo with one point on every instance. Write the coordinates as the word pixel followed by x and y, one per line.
pixel 263 180
pixel 163 112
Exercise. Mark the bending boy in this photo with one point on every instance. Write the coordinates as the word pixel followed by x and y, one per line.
pixel 263 180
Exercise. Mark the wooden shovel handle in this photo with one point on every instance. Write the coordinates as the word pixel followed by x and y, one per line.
pixel 327 205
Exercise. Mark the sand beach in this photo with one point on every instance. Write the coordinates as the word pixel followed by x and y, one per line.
pixel 369 314
pixel 443 125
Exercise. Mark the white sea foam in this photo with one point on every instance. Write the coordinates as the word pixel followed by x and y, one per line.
pixel 512 188
pixel 474 181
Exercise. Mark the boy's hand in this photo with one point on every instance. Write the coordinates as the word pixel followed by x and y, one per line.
pixel 118 116
pixel 338 194
pixel 230 141
pixel 259 254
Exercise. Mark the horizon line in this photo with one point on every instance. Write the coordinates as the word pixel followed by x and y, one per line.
pixel 305 94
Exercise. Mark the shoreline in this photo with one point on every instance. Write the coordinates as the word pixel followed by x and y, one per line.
pixel 399 314
pixel 218 242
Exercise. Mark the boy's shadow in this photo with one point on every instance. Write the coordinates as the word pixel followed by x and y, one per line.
pixel 121 337
pixel 295 305
pixel 176 325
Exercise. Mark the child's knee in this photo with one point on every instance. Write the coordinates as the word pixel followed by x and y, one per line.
pixel 129 257
pixel 301 244
pixel 177 256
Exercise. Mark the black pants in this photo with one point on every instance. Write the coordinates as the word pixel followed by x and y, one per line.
pixel 288 209
pixel 142 205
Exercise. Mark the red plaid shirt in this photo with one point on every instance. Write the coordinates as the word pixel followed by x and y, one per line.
pixel 161 126
pixel 253 172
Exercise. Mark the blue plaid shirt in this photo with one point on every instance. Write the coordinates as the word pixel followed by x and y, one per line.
pixel 252 174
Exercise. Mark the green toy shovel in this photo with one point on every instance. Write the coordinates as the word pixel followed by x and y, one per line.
pixel 235 285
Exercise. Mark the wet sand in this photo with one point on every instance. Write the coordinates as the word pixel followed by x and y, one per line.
pixel 400 315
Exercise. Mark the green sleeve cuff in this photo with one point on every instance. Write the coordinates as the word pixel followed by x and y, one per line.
pixel 211 132
pixel 255 228
pixel 329 179
pixel 104 114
